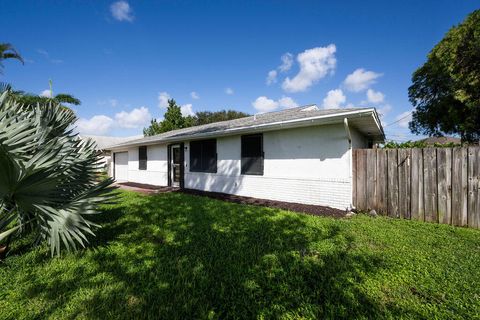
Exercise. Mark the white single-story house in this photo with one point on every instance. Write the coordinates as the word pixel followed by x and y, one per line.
pixel 301 155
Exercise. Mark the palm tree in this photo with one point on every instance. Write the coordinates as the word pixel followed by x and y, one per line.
pixel 48 176
pixel 7 51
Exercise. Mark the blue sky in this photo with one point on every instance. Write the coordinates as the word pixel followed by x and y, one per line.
pixel 122 59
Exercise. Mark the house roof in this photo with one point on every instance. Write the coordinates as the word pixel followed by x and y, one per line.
pixel 105 141
pixel 441 140
pixel 363 119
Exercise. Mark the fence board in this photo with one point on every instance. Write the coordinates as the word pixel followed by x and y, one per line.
pixel 430 181
pixel 381 182
pixel 392 180
pixel 371 177
pixel 361 179
pixel 404 183
pixel 473 194
pixel 459 186
pixel 417 207
pixel 444 174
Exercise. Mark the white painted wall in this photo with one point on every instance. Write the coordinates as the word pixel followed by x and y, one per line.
pixel 359 141
pixel 309 165
pixel 157 170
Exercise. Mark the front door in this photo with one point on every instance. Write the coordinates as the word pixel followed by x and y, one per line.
pixel 175 165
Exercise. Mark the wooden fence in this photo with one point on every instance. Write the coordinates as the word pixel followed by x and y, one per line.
pixel 431 184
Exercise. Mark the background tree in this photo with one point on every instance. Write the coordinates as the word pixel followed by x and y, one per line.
pixel 173 119
pixel 7 51
pixel 445 91
pixel 30 99
pixel 205 117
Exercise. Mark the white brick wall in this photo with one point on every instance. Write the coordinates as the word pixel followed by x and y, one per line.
pixel 307 165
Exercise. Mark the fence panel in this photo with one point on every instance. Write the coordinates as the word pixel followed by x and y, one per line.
pixel 444 174
pixel 432 184
pixel 381 182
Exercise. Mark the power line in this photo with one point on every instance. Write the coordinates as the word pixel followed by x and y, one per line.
pixel 404 117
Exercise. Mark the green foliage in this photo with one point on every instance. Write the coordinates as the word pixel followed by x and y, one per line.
pixel 32 100
pixel 177 256
pixel 173 119
pixel 205 117
pixel 48 177
pixel 7 51
pixel 445 90
pixel 417 144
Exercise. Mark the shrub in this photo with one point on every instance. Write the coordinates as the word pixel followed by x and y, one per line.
pixel 48 181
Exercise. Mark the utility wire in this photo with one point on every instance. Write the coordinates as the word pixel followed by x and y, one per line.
pixel 407 115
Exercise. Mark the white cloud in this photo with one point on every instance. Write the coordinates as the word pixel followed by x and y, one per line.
pixel 404 118
pixel 264 104
pixel 375 97
pixel 46 93
pixel 137 118
pixel 229 91
pixel 334 99
pixel 98 125
pixel 315 64
pixel 271 77
pixel 121 11
pixel 360 80
pixel 194 95
pixel 287 103
pixel 163 98
pixel 187 110
pixel 287 62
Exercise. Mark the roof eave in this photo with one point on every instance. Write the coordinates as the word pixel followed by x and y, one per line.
pixel 288 124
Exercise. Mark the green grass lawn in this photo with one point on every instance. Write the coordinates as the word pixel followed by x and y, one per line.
pixel 177 256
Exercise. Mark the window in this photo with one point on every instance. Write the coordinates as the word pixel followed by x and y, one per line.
pixel 252 154
pixel 203 156
pixel 142 158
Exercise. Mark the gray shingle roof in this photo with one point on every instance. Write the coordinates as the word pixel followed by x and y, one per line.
pixel 259 119
pixel 106 141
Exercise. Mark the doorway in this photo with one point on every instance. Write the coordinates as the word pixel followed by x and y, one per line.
pixel 175 165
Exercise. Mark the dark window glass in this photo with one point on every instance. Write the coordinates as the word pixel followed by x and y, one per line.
pixel 142 158
pixel 252 154
pixel 203 156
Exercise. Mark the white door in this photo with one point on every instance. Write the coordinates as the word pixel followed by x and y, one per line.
pixel 121 166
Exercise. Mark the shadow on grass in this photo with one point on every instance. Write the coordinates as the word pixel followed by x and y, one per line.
pixel 178 256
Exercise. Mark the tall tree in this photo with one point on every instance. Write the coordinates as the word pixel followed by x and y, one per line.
pixel 445 91
pixel 7 51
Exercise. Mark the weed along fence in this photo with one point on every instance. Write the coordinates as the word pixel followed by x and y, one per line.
pixel 430 184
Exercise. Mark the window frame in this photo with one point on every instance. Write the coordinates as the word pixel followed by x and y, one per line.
pixel 261 156
pixel 204 168
pixel 142 163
